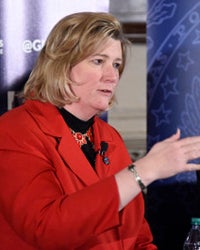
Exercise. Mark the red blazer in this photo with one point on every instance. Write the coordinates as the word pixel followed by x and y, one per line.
pixel 50 196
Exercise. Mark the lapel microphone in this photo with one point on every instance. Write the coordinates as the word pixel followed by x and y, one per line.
pixel 102 152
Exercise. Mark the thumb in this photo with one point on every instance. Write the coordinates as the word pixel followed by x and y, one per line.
pixel 175 136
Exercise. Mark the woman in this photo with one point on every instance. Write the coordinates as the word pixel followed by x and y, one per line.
pixel 67 180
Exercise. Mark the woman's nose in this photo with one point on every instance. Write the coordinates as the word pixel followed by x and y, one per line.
pixel 111 74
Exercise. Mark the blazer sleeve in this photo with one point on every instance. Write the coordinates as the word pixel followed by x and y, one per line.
pixel 145 238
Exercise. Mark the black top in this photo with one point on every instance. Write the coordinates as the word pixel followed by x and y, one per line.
pixel 81 126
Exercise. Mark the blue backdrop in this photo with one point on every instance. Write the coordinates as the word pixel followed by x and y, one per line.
pixel 173 101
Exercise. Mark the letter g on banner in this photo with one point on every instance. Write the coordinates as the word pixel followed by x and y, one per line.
pixel 30 46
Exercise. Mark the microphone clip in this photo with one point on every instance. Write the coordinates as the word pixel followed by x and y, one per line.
pixel 102 152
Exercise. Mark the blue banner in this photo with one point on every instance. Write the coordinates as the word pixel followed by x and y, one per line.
pixel 173 101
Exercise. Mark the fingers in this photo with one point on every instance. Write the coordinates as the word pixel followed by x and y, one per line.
pixel 190 143
pixel 192 152
pixel 190 148
pixel 193 167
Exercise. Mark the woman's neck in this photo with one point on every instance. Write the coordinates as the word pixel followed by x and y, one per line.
pixel 74 122
pixel 78 112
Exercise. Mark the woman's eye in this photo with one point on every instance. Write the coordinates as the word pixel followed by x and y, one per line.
pixel 98 61
pixel 117 65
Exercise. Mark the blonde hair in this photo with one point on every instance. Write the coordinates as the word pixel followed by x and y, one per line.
pixel 73 38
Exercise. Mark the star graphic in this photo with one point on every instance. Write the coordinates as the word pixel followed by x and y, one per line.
pixel 161 115
pixel 184 60
pixel 197 39
pixel 169 87
pixel 155 72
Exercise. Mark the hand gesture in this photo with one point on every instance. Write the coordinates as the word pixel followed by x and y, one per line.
pixel 170 157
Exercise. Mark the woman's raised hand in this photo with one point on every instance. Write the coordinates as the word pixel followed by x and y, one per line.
pixel 169 157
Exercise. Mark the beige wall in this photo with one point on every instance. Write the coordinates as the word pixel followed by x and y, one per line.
pixel 129 115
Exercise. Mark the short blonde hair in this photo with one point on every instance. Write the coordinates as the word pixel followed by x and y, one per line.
pixel 73 38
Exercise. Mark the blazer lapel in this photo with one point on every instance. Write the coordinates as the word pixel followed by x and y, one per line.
pixel 75 159
pixel 51 122
pixel 102 135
